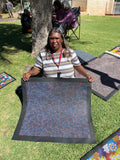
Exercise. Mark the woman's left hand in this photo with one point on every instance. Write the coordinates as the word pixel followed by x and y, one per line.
pixel 90 78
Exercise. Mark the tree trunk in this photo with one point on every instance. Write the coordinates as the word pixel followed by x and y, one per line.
pixel 41 23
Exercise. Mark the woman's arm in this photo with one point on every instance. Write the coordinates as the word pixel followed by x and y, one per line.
pixel 32 72
pixel 83 72
pixel 67 18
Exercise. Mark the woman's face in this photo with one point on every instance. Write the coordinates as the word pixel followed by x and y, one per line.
pixel 55 41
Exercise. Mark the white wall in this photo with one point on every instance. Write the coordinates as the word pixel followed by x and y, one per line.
pixel 96 7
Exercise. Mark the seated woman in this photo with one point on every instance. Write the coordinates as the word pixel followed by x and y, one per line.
pixel 58 13
pixel 68 20
pixel 26 21
pixel 56 59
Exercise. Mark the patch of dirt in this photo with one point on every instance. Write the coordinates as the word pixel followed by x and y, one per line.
pixel 86 20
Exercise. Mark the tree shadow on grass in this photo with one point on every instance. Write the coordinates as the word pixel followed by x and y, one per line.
pixel 12 39
pixel 75 42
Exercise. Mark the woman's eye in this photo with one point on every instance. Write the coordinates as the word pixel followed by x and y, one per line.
pixel 54 38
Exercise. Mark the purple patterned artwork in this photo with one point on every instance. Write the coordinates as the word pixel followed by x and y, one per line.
pixel 57 109
pixel 106 72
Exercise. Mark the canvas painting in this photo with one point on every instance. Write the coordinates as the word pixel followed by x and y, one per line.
pixel 115 51
pixel 56 110
pixel 5 79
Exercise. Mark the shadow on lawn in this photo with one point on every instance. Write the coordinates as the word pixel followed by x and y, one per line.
pixel 12 39
pixel 74 43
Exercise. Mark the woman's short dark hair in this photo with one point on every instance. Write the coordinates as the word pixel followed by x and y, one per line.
pixel 58 4
pixel 26 12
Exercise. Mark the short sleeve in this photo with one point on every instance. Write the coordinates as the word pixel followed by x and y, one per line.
pixel 39 62
pixel 75 61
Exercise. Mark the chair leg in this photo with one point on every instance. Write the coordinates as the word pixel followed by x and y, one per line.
pixel 73 33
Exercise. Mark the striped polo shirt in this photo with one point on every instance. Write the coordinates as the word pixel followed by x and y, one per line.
pixel 50 68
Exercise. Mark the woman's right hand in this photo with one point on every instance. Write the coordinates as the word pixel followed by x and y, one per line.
pixel 26 76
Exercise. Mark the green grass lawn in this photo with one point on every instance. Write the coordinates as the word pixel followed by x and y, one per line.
pixel 98 34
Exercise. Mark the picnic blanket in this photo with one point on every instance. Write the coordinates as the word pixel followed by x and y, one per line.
pixel 56 110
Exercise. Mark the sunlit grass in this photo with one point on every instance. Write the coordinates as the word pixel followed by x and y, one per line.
pixel 98 34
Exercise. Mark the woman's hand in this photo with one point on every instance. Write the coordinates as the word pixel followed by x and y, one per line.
pixel 83 72
pixel 90 78
pixel 32 72
pixel 26 76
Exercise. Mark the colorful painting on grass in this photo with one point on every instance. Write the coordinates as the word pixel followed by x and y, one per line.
pixel 115 51
pixel 10 20
pixel 109 149
pixel 5 79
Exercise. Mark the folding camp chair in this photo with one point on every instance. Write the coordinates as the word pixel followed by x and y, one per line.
pixel 73 33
